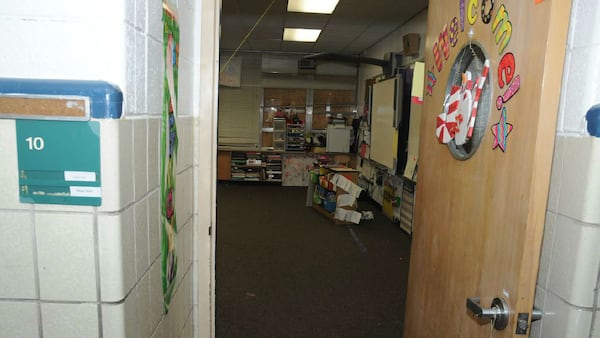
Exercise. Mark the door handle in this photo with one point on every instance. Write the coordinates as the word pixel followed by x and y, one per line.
pixel 498 313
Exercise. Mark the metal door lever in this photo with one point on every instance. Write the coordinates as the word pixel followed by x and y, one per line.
pixel 498 312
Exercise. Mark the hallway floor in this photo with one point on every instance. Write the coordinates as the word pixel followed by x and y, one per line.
pixel 284 270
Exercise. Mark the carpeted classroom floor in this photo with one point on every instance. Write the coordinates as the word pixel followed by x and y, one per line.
pixel 284 270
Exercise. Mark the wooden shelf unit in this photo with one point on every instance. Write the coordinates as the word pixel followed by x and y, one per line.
pixel 314 187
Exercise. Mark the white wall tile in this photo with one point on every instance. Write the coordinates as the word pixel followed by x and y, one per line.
pixel 176 312
pixel 140 155
pixel 155 76
pixel 154 226
pixel 586 14
pixel 9 170
pixel 17 258
pixel 131 84
pixel 154 125
pixel 70 320
pixel 43 51
pixel 189 42
pixel 113 320
pixel 66 263
pixel 155 26
pixel 188 328
pixel 188 299
pixel 141 13
pixel 116 153
pixel 158 332
pixel 109 9
pixel 556 174
pixel 63 208
pixel 144 319
pixel 187 88
pixel 574 262
pixel 120 320
pixel 187 242
pixel 116 249
pixel 562 320
pixel 140 71
pixel 19 320
pixel 547 244
pixel 156 295
pixel 582 88
pixel 167 325
pixel 185 151
pixel 563 108
pixel 184 196
pixel 580 181
pixel 141 238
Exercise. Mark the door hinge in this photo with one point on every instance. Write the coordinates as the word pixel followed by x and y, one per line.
pixel 210 230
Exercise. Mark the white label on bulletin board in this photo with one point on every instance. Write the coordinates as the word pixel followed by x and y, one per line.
pixel 85 191
pixel 80 176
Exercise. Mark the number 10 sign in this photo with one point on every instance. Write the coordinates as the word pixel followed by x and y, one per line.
pixel 59 162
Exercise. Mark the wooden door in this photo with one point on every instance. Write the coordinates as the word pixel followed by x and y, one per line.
pixel 480 210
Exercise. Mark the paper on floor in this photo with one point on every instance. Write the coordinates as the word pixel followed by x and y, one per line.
pixel 347 215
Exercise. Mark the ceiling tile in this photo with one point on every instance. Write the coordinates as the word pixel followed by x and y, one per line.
pixel 354 26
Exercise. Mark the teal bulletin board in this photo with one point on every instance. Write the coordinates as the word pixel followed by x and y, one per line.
pixel 59 162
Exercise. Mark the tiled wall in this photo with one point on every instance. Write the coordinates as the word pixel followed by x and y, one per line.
pixel 570 261
pixel 78 271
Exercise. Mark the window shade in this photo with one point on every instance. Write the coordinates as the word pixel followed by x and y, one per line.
pixel 239 112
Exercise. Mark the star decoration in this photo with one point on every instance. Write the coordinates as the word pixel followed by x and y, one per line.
pixel 501 131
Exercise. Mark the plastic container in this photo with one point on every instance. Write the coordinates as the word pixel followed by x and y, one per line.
pixel 329 205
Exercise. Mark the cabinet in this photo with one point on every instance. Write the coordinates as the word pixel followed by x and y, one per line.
pixel 250 166
pixel 294 139
pixel 338 138
pixel 273 167
pixel 224 165
pixel 247 166
pixel 279 129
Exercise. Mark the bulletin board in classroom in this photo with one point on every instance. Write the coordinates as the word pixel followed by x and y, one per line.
pixel 384 135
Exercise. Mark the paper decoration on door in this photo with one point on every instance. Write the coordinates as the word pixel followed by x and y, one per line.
pixel 501 131
pixel 466 87
pixel 169 142
pixel 461 124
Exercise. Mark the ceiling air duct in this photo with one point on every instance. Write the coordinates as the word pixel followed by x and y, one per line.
pixel 308 63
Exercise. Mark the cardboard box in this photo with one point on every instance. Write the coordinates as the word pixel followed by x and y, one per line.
pixel 410 44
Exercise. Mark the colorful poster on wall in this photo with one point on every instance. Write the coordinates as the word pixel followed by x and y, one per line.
pixel 169 154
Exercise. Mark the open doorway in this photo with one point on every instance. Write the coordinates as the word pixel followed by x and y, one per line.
pixel 282 269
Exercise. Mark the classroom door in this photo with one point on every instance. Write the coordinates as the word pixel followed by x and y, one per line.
pixel 493 76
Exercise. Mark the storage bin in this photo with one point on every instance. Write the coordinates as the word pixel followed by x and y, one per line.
pixel 329 205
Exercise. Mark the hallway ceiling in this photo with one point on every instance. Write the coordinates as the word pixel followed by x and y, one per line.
pixel 354 26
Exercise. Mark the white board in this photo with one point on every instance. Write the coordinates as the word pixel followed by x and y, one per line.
pixel 384 137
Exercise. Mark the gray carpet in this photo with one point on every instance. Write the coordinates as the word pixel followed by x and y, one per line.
pixel 284 270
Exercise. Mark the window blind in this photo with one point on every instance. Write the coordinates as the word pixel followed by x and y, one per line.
pixel 239 112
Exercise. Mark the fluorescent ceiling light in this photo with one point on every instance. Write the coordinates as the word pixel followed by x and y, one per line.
pixel 301 34
pixel 312 6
